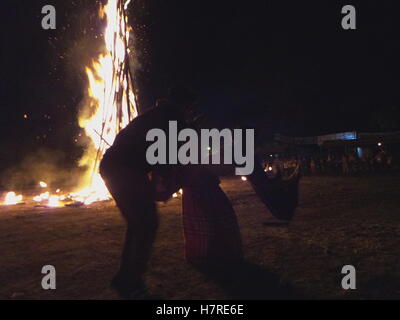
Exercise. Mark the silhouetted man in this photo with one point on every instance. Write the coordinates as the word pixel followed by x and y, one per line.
pixel 125 171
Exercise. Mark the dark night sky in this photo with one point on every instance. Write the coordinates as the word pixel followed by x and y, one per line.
pixel 287 65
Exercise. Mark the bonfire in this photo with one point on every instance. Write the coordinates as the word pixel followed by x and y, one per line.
pixel 110 106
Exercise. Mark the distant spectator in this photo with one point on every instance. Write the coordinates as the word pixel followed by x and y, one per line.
pixel 313 167
pixel 345 165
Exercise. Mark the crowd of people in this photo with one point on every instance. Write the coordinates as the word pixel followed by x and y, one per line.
pixel 334 163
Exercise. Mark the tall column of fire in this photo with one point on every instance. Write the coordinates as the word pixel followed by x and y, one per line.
pixel 111 104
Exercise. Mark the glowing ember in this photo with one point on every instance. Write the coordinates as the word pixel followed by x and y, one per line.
pixel 42 197
pixel 12 198
pixel 43 184
pixel 45 195
pixel 54 201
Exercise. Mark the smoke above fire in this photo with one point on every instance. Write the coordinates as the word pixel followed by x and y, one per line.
pixel 42 165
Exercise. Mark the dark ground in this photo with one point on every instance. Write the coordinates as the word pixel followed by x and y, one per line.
pixel 353 220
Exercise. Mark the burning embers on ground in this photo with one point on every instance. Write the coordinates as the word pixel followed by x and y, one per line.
pixel 53 198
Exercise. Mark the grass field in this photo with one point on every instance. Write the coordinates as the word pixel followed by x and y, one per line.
pixel 340 221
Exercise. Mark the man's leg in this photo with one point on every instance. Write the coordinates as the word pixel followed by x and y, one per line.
pixel 138 209
pixel 133 195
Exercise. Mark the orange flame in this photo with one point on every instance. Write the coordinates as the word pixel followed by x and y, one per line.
pixel 112 102
pixel 11 198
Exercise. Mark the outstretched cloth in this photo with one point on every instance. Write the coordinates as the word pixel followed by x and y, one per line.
pixel 279 195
